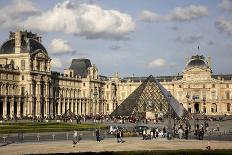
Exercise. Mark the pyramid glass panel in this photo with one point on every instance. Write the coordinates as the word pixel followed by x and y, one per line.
pixel 152 97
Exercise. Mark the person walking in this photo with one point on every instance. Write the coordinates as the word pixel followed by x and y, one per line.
pixel 164 132
pixel 118 136
pixel 75 138
pixel 180 132
pixel 144 134
pixel 98 136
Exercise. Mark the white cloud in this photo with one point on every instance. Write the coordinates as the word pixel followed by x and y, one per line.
pixel 11 15
pixel 178 14
pixel 60 46
pixel 88 20
pixel 226 5
pixel 157 63
pixel 224 25
pixel 56 63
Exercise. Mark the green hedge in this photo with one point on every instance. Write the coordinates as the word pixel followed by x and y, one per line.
pixel 45 127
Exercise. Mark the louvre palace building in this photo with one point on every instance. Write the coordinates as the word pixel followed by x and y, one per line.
pixel 28 87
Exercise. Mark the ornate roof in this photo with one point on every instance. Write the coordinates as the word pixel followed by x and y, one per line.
pixel 29 43
pixel 197 61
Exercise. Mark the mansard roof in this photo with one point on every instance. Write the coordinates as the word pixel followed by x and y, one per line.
pixel 80 67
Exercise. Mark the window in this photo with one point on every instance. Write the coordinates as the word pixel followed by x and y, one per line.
pixel 107 107
pixel 227 86
pixel 84 84
pixel 22 77
pixel 228 107
pixel 38 65
pixel 228 95
pixel 214 108
pixel 22 91
pixel 179 86
pixel 203 85
pixel 22 64
pixel 213 85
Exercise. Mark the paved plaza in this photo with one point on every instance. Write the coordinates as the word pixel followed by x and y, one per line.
pixel 130 144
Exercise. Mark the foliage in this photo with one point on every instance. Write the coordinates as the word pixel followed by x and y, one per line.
pixel 45 127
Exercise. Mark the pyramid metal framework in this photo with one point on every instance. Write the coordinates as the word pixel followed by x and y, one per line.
pixel 150 96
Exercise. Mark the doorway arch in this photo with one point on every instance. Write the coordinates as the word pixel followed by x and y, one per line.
pixel 197 108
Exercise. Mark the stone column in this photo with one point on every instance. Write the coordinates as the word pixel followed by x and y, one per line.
pixel 19 107
pixel 38 104
pixel 12 107
pixel 67 104
pixel 5 107
pixel 79 106
pixel 76 110
pixel 59 107
pixel 47 106
pixel 71 108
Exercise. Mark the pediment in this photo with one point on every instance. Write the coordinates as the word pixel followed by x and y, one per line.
pixel 39 54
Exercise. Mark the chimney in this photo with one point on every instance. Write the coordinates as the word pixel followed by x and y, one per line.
pixel 17 42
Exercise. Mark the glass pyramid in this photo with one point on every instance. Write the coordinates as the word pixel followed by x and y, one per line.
pixel 150 96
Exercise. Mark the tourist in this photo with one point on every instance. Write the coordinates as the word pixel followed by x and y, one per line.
pixel 144 134
pixel 218 127
pixel 180 132
pixel 118 136
pixel 157 132
pixel 164 132
pixel 98 136
pixel 75 138
pixel 151 134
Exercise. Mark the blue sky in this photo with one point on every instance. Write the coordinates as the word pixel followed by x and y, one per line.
pixel 130 37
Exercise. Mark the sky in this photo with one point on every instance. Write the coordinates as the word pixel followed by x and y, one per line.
pixel 129 37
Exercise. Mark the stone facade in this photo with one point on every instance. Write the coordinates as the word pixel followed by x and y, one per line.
pixel 28 87
pixel 197 88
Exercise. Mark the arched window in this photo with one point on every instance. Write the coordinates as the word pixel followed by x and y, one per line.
pixel 214 108
pixel 228 107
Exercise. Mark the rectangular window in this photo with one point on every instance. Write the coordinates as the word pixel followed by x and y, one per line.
pixel 228 107
pixel 107 107
pixel 22 91
pixel 228 95
pixel 22 64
